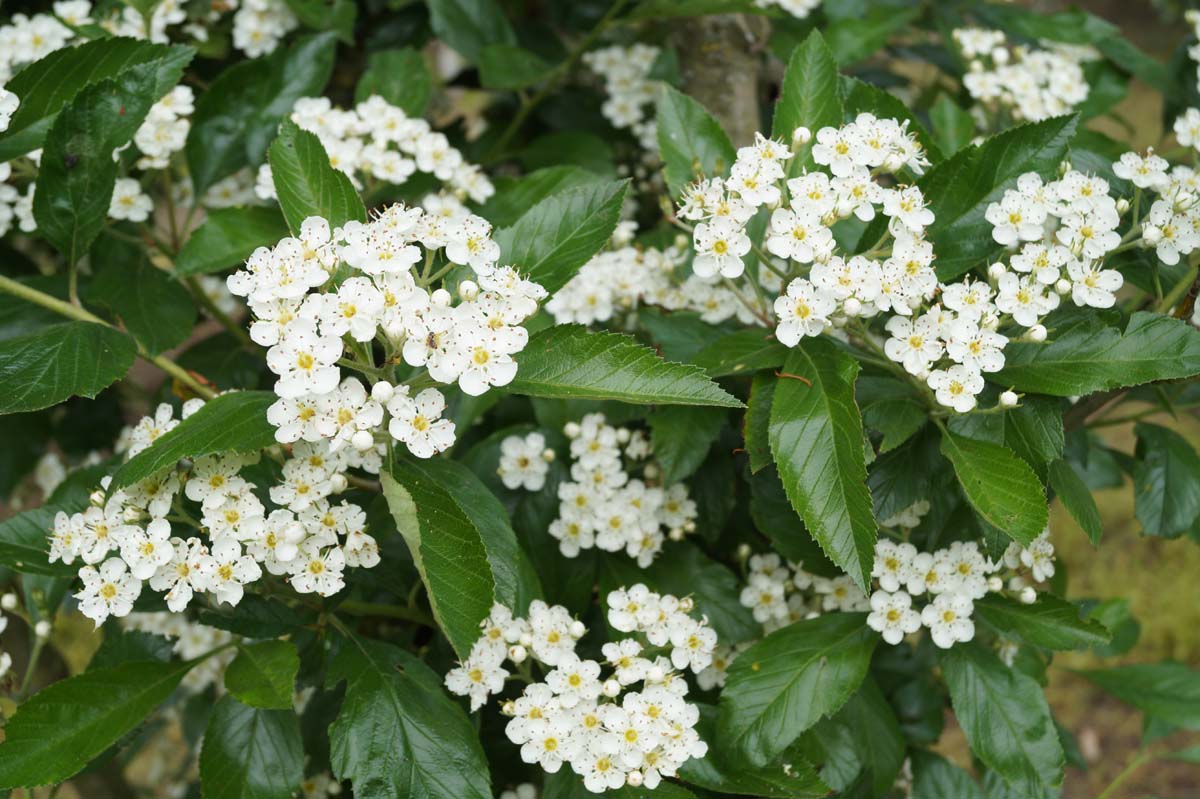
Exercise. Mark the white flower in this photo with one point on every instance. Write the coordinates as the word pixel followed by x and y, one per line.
pixel 108 591
pixel 1147 171
pixel 225 571
pixel 146 550
pixel 956 387
pixel 892 616
pixel 720 244
pixel 306 361
pixel 479 676
pixel 129 202
pixel 948 618
pixel 8 107
pixel 893 564
pixel 318 571
pixel 1038 557
pixel 1093 286
pixel 575 680
pixel 416 422
pixel 803 311
pixel 179 576
pixel 521 462
pixel 914 343
pixel 799 235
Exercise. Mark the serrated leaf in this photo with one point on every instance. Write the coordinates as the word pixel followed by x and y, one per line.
pixel 1000 486
pixel 785 683
pixel 960 189
pixel 251 753
pixel 462 544
pixel 681 436
pixel 1051 622
pixel 156 310
pixel 572 362
pixel 402 78
pixel 1166 482
pixel 935 777
pixel 49 83
pixel 470 25
pixel 73 359
pixel 232 422
pixel 228 237
pixel 507 66
pixel 757 423
pixel 61 728
pixel 692 143
pixel 1165 691
pixel 554 238
pixel 953 127
pixel 237 116
pixel 264 674
pixel 307 184
pixel 810 97
pixel 891 407
pixel 1089 356
pixel 1077 498
pixel 863 740
pixel 816 438
pixel 514 197
pixel 398 736
pixel 1005 718
pixel 256 617
pixel 77 172
pixel 740 353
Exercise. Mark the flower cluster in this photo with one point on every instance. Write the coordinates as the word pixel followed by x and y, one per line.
pixel 129 536
pixel 610 734
pixel 1030 83
pixel 626 74
pixel 779 593
pixel 604 506
pixel 192 640
pixel 524 461
pixel 328 296
pixel 166 128
pixel 376 140
pixel 260 25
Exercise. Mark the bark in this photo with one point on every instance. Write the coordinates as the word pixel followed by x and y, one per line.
pixel 720 57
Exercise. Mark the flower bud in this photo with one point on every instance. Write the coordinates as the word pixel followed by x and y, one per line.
pixel 1063 286
pixel 97 498
pixel 8 601
pixel 996 270
pixel 1016 583
pixel 812 614
pixel 689 526
pixel 611 688
pixel 622 435
pixel 1037 334
pixel 468 290
pixel 1028 595
pixel 440 298
pixel 548 455
pixel 675 534
pixel 634 778
pixel 655 674
pixel 995 584
pixel 42 629
pixel 852 307
pixel 686 604
pixel 363 440
pixel 801 135
pixel 1009 399
pixel 1064 167
pixel 338 483
pixel 517 653
pixel 651 472
pixel 382 391
pixel 1122 205
pixel 577 629
pixel 526 640
pixel 1151 235
pixel 509 708
pixel 1000 55
pixel 743 551
pixel 572 430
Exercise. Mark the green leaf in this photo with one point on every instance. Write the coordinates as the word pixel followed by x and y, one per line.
pixel 891 407
pixel 156 310
pixel 1165 691
pixel 960 189
pixel 692 143
pixel 656 9
pixel 506 66
pixel 741 353
pixel 462 544
pixel 1005 718
pixel 77 171
pixel 257 617
pixel 1166 482
pixel 935 777
pixel 858 97
pixel 49 83
pixel 228 237
pixel 1000 486
pixel 232 422
pixel 514 197
pixel 757 424
pixel 57 731
pixel 264 675
pixel 24 543
pixel 45 368
pixel 1034 430
pixel 811 97
pixel 237 117
pixel 307 184
pixel 785 683
pixel 816 437
pixel 863 738
pixel 251 753
pixel 399 76
pixel 1076 498
pixel 1051 622
pixel 562 232
pixel 572 362
pixel 854 38
pixel 952 126
pixel 678 335
pixel 1089 356
pixel 398 736
pixel 720 772
pixel 468 26
pixel 681 436
pixel 327 15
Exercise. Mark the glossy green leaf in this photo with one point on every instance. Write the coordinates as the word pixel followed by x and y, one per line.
pixel 811 97
pixel 935 777
pixel 462 544
pixel 228 237
pixel 237 116
pixel 57 731
pixel 327 15
pixel 156 310
pixel 307 184
pixel 1005 718
pixel 507 66
pixel 816 437
pixel 891 407
pixel 1051 622
pixel 756 427
pixel 233 422
pixel 251 752
pixel 1166 482
pixel 77 172
pixel 1165 691
pixel 74 359
pixel 263 675
pixel 398 735
pixel 960 189
pixel 572 362
pixel 952 126
pixel 514 197
pixel 562 232
pixel 468 26
pixel 862 740
pixel 1001 487
pixel 402 78
pixel 49 83
pixel 25 544
pixel 681 436
pixel 856 37
pixel 741 352
pixel 692 143
pixel 1089 356
pixel 785 683
pixel 1077 498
